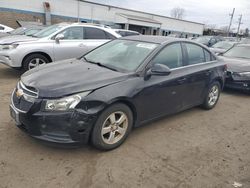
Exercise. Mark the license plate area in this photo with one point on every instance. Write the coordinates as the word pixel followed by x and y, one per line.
pixel 15 115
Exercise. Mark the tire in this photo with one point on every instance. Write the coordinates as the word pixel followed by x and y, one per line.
pixel 33 59
pixel 108 133
pixel 212 96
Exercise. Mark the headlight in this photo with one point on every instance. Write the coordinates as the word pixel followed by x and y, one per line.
pixel 8 46
pixel 244 74
pixel 65 103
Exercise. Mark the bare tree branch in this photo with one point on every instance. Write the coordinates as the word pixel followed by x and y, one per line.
pixel 178 13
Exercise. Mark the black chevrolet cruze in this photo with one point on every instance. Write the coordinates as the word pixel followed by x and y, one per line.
pixel 125 83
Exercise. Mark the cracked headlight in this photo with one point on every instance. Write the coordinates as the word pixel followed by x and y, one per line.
pixel 65 103
pixel 244 74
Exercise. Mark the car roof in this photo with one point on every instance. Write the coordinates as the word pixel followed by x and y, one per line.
pixel 126 30
pixel 244 45
pixel 152 38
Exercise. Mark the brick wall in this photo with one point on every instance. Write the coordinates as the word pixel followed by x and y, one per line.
pixel 9 18
pixel 58 19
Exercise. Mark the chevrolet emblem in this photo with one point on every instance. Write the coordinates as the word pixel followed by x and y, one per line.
pixel 19 93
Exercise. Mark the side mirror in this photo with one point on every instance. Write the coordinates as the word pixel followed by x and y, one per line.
pixel 59 37
pixel 158 70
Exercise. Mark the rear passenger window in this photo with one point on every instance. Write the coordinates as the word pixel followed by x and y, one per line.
pixel 207 55
pixel 94 33
pixel 170 56
pixel 109 36
pixel 195 54
pixel 1 28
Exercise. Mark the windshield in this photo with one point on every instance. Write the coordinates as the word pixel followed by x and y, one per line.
pixel 32 32
pixel 203 40
pixel 238 52
pixel 223 45
pixel 122 55
pixel 18 31
pixel 47 31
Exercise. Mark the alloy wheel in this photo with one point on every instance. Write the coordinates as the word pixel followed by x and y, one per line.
pixel 114 127
pixel 36 62
pixel 213 95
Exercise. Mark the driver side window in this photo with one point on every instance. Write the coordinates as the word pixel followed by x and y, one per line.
pixel 170 56
pixel 73 33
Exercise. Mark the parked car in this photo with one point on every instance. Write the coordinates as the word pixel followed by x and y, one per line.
pixel 231 39
pixel 4 28
pixel 57 42
pixel 27 30
pixel 124 32
pixel 222 46
pixel 245 41
pixel 119 85
pixel 238 62
pixel 208 40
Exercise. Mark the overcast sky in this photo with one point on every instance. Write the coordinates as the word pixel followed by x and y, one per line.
pixel 203 11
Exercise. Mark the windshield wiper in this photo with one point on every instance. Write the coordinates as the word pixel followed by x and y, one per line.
pixel 99 64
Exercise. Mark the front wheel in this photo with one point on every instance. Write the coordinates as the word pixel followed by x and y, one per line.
pixel 212 96
pixel 34 60
pixel 112 127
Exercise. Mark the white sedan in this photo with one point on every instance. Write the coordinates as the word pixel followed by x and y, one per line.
pixel 4 28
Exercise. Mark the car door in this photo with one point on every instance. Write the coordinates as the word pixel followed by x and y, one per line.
pixel 72 44
pixel 198 73
pixel 94 37
pixel 161 95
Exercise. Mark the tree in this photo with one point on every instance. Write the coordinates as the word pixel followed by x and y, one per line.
pixel 178 13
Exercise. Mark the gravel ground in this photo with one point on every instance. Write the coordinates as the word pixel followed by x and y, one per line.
pixel 195 148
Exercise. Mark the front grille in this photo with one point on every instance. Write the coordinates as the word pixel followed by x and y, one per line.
pixel 23 97
pixel 27 90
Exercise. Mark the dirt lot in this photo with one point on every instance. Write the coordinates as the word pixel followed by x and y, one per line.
pixel 195 148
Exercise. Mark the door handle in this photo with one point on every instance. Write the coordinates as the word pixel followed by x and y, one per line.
pixel 181 80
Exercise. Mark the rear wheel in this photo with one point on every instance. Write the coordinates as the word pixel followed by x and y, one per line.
pixel 212 96
pixel 34 60
pixel 112 127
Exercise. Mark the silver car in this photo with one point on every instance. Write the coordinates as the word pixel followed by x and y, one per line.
pixel 57 42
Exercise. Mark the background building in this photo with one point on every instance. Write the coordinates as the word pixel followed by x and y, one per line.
pixel 55 11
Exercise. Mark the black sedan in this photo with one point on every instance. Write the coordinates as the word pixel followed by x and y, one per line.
pixel 238 62
pixel 208 40
pixel 120 85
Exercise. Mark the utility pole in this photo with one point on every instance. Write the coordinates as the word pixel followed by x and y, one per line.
pixel 240 18
pixel 78 10
pixel 231 19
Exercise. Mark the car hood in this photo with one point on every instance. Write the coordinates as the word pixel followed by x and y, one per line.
pixel 16 38
pixel 4 35
pixel 68 77
pixel 236 64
